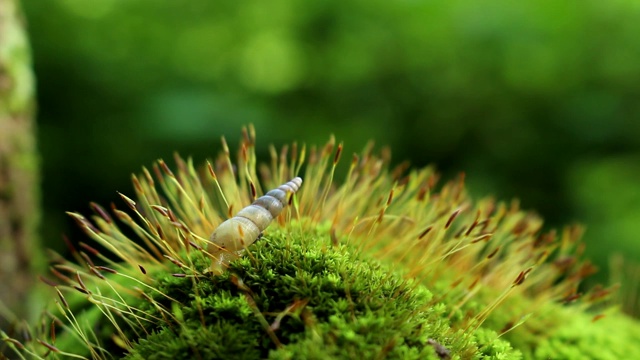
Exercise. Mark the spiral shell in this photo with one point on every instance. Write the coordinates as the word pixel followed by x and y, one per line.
pixel 242 230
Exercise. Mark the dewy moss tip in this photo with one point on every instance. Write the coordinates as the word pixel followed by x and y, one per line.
pixel 382 264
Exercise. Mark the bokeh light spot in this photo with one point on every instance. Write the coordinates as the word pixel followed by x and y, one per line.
pixel 271 63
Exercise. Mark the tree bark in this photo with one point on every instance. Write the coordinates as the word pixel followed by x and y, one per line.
pixel 19 181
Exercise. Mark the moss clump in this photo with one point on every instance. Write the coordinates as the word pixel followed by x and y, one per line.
pixel 385 264
pixel 580 337
pixel 316 300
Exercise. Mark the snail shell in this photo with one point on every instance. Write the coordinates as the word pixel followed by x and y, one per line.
pixel 242 230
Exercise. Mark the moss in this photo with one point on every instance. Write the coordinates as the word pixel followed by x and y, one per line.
pixel 491 347
pixel 383 265
pixel 613 337
pixel 349 306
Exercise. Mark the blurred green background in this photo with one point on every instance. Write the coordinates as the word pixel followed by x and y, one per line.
pixel 536 100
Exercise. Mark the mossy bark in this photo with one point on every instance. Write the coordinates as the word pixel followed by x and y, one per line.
pixel 19 195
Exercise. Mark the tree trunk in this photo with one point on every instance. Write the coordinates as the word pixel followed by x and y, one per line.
pixel 19 187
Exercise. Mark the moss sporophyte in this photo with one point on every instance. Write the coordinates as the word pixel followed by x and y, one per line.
pixel 383 264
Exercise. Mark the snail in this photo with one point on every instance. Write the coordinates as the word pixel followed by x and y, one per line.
pixel 229 239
